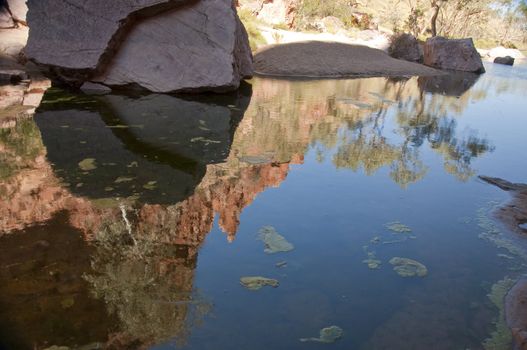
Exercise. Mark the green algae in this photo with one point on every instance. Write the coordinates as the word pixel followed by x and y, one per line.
pixel 67 303
pixel 494 235
pixel 87 164
pixel 204 140
pixel 257 282
pixel 328 335
pixel 281 264
pixel 408 267
pixel 122 179
pixel 397 227
pixel 500 338
pixel 150 185
pixel 273 241
pixel 372 261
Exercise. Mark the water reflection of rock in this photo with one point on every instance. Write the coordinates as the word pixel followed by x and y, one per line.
pixel 153 147
pixel 452 84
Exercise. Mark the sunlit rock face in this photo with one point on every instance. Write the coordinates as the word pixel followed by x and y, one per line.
pixel 452 54
pixel 159 45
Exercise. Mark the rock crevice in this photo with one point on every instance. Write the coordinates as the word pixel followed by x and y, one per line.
pixel 160 45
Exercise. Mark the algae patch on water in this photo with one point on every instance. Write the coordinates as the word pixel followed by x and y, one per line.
pixel 257 282
pixel 408 268
pixel 397 227
pixel 500 338
pixel 274 242
pixel 372 261
pixel 327 335
pixel 87 164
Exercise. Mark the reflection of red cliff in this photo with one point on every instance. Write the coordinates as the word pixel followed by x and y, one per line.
pixel 188 222
pixel 31 196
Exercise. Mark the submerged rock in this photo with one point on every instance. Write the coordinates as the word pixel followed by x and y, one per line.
pixel 274 242
pixel 257 282
pixel 452 54
pixel 327 335
pixel 408 268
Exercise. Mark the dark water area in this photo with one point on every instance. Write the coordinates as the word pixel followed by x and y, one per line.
pixel 126 222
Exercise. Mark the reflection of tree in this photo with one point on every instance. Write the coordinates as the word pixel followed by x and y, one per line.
pixel 420 119
pixel 148 285
pixel 19 146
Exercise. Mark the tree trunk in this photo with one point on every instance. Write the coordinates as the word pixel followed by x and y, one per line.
pixel 433 20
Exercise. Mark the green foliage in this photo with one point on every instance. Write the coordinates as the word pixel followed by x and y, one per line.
pixel 251 23
pixel 341 9
pixel 485 43
pixel 21 144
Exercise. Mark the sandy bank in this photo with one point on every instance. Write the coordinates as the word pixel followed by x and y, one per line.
pixel 332 60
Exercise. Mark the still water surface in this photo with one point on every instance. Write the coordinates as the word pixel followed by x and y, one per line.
pixel 129 220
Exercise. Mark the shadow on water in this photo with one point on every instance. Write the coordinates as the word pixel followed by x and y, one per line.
pixel 154 148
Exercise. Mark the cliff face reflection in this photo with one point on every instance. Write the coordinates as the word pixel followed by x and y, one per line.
pixel 138 180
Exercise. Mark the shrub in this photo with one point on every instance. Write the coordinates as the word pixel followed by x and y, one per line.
pixel 250 22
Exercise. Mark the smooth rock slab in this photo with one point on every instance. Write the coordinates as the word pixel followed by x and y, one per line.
pixel 195 48
pixel 76 35
pixel 452 54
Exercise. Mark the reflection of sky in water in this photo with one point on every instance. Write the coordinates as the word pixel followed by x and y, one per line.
pixel 328 164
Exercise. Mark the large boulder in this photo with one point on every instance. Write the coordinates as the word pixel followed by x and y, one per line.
pixel 405 47
pixel 161 45
pixel 452 54
pixel 200 47
pixel 516 313
pixel 507 60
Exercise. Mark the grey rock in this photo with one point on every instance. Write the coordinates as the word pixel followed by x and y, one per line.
pixel 18 9
pixel 82 34
pixel 516 313
pixel 405 47
pixel 452 54
pixel 159 45
pixel 507 60
pixel 93 88
pixel 196 48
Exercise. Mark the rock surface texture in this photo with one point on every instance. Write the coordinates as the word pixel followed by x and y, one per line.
pixel 507 60
pixel 452 54
pixel 406 47
pixel 516 313
pixel 160 45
